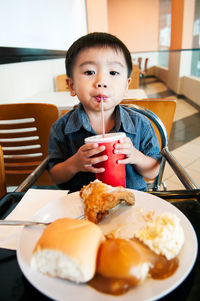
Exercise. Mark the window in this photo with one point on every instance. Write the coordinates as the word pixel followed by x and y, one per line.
pixel 165 31
pixel 195 66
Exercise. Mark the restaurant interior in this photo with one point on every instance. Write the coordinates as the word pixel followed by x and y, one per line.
pixel 163 37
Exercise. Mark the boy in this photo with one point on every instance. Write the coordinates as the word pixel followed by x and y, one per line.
pixel 98 66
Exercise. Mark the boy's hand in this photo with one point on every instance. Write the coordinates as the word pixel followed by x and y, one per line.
pixel 126 147
pixel 83 158
pixel 148 167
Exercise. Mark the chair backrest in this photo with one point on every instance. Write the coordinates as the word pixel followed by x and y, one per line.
pixel 63 112
pixel 140 63
pixel 61 84
pixel 135 78
pixel 24 133
pixel 146 64
pixel 2 175
pixel 164 108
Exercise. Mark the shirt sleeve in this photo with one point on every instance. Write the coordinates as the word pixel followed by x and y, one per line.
pixel 57 149
pixel 149 142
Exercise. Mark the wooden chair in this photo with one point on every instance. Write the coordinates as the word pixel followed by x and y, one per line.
pixel 24 133
pixel 140 63
pixel 135 78
pixel 165 110
pixel 61 84
pixel 2 175
pixel 63 112
pixel 143 71
pixel 146 64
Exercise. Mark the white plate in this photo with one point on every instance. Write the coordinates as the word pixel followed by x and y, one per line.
pixel 71 206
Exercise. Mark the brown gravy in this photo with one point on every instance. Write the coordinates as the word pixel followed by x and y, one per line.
pixel 120 266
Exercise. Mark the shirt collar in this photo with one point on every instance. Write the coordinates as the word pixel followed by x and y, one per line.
pixel 80 119
pixel 124 120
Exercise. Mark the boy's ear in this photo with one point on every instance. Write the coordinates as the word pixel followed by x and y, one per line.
pixel 70 85
pixel 127 84
pixel 129 80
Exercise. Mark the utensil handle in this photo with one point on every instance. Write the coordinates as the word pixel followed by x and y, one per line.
pixel 4 222
pixel 20 223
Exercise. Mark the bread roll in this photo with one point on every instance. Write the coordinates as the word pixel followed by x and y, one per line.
pixel 68 249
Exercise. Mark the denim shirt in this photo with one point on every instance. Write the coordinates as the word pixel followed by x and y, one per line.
pixel 69 131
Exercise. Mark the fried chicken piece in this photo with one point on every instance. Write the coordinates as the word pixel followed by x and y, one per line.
pixel 99 198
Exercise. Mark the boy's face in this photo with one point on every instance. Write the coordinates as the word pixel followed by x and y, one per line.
pixel 99 73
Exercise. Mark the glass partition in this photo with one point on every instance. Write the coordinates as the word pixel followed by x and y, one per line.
pixel 188 59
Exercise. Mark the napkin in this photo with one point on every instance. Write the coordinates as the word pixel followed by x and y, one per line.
pixel 32 201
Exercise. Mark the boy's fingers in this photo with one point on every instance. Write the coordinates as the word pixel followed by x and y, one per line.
pixel 122 145
pixel 90 168
pixel 91 151
pixel 92 161
pixel 124 161
pixel 93 146
pixel 99 170
pixel 125 151
pixel 89 146
pixel 96 160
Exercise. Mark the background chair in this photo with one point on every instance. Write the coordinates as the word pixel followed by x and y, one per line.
pixel 61 84
pixel 146 64
pixel 24 133
pixel 143 71
pixel 135 78
pixel 63 112
pixel 2 175
pixel 140 63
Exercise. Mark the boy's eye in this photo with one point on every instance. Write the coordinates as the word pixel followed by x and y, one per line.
pixel 114 72
pixel 89 72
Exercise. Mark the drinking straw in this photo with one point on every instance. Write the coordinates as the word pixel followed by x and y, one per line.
pixel 102 118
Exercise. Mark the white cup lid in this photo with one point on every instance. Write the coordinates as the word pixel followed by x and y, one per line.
pixel 107 138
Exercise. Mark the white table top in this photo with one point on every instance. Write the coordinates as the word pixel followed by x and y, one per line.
pixel 64 101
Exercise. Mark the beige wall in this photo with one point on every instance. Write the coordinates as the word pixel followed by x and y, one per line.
pixel 190 87
pixel 135 22
pixel 22 80
pixel 188 19
pixel 97 16
pixel 181 38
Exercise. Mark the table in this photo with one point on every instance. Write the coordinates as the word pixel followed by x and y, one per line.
pixel 15 287
pixel 64 101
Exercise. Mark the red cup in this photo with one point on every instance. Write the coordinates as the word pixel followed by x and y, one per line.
pixel 114 174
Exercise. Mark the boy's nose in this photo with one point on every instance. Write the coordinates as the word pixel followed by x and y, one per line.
pixel 101 85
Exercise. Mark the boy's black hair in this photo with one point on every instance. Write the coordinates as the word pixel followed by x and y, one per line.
pixel 94 39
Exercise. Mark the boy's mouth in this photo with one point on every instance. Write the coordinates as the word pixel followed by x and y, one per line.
pixel 100 97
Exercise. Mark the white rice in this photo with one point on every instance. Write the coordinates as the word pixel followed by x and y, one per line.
pixel 163 234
